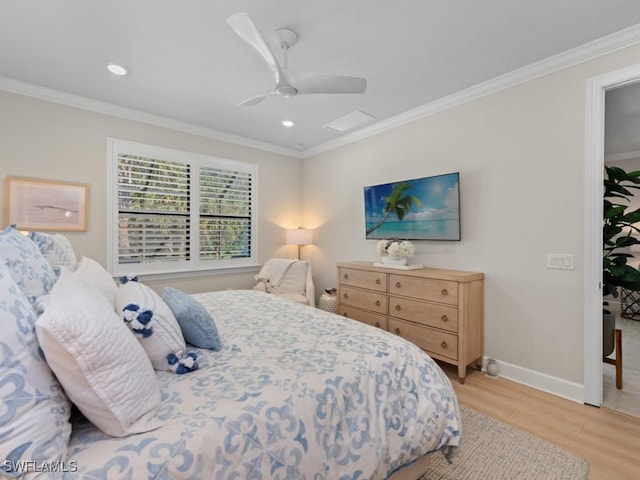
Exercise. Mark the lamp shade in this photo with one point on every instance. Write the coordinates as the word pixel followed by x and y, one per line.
pixel 299 236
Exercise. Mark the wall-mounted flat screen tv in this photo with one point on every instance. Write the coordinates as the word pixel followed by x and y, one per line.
pixel 420 209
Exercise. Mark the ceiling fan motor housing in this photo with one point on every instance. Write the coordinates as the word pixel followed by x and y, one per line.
pixel 285 38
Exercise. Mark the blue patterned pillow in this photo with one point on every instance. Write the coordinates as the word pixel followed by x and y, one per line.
pixel 56 249
pixel 34 411
pixel 28 268
pixel 198 327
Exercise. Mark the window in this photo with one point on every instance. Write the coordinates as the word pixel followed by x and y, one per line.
pixel 174 211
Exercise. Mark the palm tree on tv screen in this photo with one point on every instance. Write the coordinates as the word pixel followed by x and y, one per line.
pixel 399 202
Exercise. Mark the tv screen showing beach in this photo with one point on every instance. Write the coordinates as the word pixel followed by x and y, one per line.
pixel 419 209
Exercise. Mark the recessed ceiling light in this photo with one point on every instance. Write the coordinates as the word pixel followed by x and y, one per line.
pixel 116 69
pixel 288 123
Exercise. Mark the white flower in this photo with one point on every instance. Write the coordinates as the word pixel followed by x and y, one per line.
pixel 395 249
pixel 381 247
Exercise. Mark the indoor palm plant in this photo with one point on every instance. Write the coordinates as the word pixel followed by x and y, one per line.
pixel 619 231
pixel 618 234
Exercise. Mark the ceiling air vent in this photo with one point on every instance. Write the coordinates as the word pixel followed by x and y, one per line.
pixel 350 121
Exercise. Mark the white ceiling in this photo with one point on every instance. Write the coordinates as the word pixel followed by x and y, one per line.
pixel 187 64
pixel 622 123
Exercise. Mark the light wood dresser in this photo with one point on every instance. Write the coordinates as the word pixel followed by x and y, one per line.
pixel 441 311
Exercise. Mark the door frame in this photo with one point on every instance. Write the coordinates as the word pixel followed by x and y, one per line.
pixel 594 178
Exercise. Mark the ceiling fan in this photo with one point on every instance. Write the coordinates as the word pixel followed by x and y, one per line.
pixel 287 82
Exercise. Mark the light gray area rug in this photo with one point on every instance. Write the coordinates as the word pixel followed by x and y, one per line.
pixel 492 450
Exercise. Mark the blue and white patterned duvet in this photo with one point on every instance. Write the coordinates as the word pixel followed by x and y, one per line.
pixel 294 393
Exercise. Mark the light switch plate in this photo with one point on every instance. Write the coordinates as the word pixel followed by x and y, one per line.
pixel 562 261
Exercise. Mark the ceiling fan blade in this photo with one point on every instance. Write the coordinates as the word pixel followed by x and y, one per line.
pixel 244 27
pixel 307 82
pixel 250 102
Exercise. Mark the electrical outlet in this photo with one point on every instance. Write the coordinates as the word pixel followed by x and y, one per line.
pixel 562 261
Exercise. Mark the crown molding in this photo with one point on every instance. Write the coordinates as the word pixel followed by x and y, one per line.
pixel 594 49
pixel 43 93
pixel 603 46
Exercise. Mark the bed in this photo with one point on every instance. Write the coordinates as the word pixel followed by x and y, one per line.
pixel 293 393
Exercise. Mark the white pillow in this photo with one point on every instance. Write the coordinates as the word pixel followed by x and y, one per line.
pixel 34 411
pixel 101 366
pixel 28 268
pixel 155 326
pixel 93 274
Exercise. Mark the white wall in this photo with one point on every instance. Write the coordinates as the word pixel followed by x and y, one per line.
pixel 521 157
pixel 50 141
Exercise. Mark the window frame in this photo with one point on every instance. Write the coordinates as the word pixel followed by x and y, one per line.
pixel 117 147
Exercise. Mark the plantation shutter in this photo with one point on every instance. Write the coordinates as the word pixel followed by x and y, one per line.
pixel 153 210
pixel 172 211
pixel 225 213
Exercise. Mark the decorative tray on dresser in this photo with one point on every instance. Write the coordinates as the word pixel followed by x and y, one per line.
pixel 441 311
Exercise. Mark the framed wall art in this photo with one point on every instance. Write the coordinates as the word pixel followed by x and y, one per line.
pixel 425 208
pixel 33 204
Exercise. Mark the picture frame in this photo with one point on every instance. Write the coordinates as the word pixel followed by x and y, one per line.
pixel 46 205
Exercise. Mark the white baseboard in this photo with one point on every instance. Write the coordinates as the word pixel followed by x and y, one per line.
pixel 540 381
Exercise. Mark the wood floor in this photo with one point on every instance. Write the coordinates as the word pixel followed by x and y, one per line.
pixel 610 441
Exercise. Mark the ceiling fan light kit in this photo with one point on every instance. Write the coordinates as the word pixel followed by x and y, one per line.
pixel 288 83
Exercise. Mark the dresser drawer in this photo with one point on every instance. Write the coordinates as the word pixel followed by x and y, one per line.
pixel 433 341
pixel 363 316
pixel 443 291
pixel 430 314
pixel 364 279
pixel 355 297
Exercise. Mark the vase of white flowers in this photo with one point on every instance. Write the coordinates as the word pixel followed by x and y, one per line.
pixel 395 252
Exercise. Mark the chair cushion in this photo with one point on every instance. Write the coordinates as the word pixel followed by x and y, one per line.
pixel 294 297
pixel 295 280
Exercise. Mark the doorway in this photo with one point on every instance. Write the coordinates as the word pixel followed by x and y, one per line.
pixel 622 121
pixel 596 90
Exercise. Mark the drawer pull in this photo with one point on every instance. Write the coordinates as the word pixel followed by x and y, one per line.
pixel 398 307
pixel 444 291
pixel 344 295
pixel 398 285
pixel 444 318
pixel 345 315
pixel 346 276
pixel 377 303
pixel 397 330
pixel 443 344
pixel 378 324
pixel 377 281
